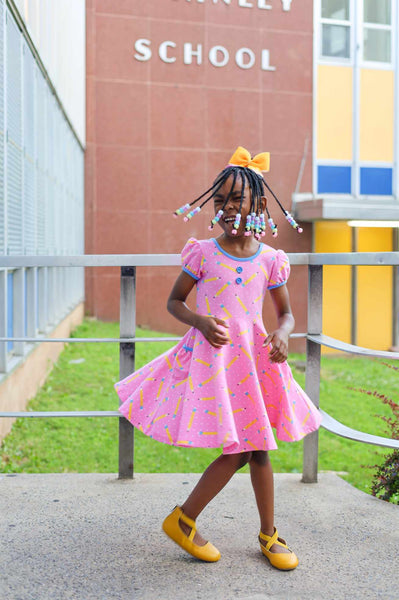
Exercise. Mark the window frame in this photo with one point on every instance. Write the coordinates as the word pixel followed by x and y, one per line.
pixel 357 63
pixel 376 64
pixel 347 60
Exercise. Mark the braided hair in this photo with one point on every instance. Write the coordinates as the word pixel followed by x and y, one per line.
pixel 258 187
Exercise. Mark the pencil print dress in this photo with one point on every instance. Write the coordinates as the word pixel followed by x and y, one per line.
pixel 200 396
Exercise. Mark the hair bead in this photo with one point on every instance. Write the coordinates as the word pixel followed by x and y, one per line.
pixel 215 219
pixel 236 223
pixel 248 226
pixel 262 224
pixel 191 214
pixel 273 227
pixel 181 210
pixel 292 222
pixel 257 227
pixel 253 217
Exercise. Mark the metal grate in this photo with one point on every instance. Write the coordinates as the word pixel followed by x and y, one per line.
pixel 2 130
pixel 14 137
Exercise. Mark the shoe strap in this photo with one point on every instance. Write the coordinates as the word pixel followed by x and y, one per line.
pixel 271 539
pixel 190 523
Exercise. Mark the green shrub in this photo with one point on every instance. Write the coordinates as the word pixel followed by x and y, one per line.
pixel 386 479
pixel 385 482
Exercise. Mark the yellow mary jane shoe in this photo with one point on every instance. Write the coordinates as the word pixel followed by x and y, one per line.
pixel 284 561
pixel 171 527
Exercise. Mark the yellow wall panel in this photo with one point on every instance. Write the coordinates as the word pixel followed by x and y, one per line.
pixel 335 236
pixel 374 291
pixel 334 112
pixel 376 115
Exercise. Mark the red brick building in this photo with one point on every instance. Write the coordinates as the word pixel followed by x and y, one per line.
pixel 173 87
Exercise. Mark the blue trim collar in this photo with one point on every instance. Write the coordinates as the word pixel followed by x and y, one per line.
pixel 218 246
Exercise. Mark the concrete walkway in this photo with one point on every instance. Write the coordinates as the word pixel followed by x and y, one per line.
pixel 92 537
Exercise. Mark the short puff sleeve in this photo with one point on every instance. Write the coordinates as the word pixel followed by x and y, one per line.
pixel 192 259
pixel 280 270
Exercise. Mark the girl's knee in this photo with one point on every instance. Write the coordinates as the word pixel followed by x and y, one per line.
pixel 245 457
pixel 238 460
pixel 259 457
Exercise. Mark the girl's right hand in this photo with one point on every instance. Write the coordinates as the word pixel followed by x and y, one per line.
pixel 211 329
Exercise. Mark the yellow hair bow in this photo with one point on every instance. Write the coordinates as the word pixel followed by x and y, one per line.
pixel 242 158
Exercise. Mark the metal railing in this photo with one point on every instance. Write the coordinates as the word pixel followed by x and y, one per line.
pixel 127 340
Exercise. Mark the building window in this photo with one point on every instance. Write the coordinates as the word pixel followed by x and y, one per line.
pixel 335 28
pixel 377 31
pixel 41 193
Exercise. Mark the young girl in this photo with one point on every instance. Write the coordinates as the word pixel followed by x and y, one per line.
pixel 227 383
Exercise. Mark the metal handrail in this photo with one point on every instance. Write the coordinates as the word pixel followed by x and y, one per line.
pixel 330 342
pixel 69 413
pixel 108 340
pixel 167 260
pixel 334 426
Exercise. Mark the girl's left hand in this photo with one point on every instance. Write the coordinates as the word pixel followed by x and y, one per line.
pixel 279 341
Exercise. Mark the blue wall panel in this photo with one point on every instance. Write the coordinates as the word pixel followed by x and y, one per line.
pixel 334 180
pixel 376 181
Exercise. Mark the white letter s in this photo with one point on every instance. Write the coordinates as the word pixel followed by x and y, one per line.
pixel 142 46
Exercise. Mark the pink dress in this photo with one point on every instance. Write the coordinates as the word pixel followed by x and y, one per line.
pixel 200 396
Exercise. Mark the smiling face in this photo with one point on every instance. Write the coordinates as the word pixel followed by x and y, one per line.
pixel 232 206
pixel 228 199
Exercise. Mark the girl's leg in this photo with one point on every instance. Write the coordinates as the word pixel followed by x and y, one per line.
pixel 213 480
pixel 262 482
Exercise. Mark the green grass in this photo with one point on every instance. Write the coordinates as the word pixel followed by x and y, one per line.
pixel 90 444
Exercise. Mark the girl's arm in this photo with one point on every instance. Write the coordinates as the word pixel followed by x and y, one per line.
pixel 209 326
pixel 279 337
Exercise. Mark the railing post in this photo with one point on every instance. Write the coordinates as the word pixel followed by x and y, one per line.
pixel 313 353
pixel 19 309
pixel 126 365
pixel 31 302
pixel 43 299
pixel 395 293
